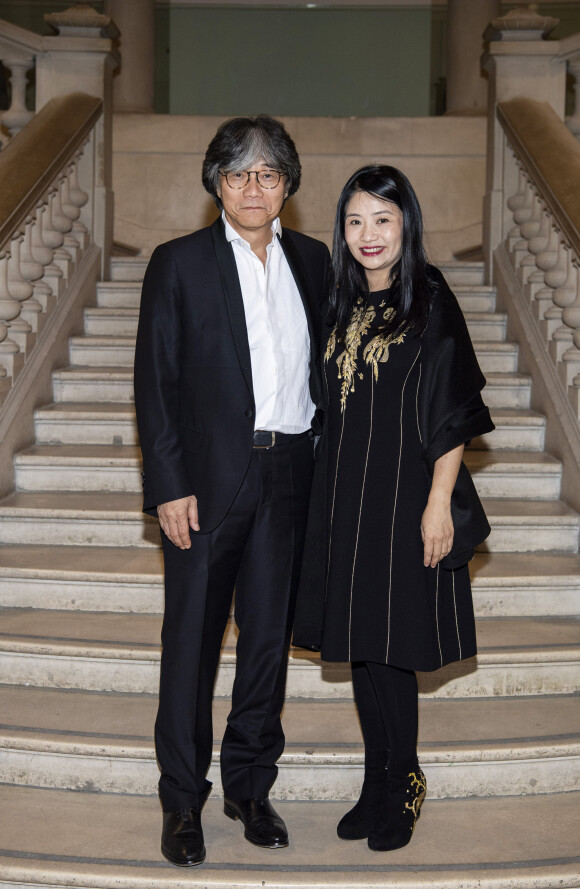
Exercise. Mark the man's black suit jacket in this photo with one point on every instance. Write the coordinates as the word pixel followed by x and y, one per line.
pixel 193 378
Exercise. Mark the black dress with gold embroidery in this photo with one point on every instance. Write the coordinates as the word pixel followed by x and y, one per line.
pixel 381 603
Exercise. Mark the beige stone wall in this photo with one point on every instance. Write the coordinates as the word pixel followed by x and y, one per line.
pixel 157 170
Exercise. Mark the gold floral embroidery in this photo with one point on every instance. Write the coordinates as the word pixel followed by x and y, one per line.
pixel 377 350
pixel 361 319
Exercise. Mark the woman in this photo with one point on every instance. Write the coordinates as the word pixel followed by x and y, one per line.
pixel 397 507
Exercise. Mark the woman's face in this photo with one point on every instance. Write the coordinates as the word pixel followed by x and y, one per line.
pixel 373 230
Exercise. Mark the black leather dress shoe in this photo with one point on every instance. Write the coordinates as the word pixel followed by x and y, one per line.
pixel 182 838
pixel 263 826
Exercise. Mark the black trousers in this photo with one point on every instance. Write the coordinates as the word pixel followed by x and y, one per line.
pixel 387 702
pixel 258 548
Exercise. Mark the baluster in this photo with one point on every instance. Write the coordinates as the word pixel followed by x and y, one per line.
pixel 10 357
pixel 32 271
pixel 21 289
pixel 17 115
pixel 533 277
pixel 53 229
pixel 554 278
pixel 72 213
pixel 566 297
pixel 529 230
pixel 49 288
pixel 517 245
pixel 515 203
pixel 77 198
pixel 546 261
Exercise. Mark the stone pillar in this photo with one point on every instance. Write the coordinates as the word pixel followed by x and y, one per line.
pixel 82 59
pixel 134 84
pixel 466 85
pixel 519 63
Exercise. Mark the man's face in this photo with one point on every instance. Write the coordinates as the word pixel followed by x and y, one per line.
pixel 252 207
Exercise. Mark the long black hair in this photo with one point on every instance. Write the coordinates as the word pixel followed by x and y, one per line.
pixel 410 279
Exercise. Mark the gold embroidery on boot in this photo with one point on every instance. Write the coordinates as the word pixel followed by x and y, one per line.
pixel 419 788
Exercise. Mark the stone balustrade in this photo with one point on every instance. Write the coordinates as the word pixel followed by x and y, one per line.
pixel 47 220
pixel 18 51
pixel 541 227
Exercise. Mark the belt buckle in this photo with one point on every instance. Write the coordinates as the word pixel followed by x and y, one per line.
pixel 267 447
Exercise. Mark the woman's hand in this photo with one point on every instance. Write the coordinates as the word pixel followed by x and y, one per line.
pixel 436 522
pixel 436 531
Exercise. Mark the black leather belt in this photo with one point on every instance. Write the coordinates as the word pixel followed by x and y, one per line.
pixel 266 438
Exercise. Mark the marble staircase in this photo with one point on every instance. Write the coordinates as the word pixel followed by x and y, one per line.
pixel 80 602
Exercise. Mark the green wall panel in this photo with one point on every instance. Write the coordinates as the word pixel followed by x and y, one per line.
pixel 300 61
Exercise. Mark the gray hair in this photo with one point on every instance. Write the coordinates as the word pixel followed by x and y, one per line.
pixel 242 141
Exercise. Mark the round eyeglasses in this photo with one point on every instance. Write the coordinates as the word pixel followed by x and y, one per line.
pixel 240 178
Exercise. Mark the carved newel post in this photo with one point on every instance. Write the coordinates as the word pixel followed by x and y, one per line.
pixel 82 59
pixel 520 62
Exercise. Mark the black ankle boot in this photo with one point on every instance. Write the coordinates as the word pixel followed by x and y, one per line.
pixel 356 824
pixel 400 810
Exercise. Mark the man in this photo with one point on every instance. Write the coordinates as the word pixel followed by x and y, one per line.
pixel 227 394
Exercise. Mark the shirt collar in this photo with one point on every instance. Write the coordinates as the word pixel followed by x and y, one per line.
pixel 232 234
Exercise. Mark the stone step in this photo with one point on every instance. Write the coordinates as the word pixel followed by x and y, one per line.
pixel 509 474
pixel 111 321
pixel 89 519
pixel 484 747
pixel 117 468
pixel 102 351
pixel 127 294
pixel 78 468
pixel 97 651
pixel 114 423
pixel 515 429
pixel 511 390
pixel 459 273
pixel 115 384
pixel 475 297
pixel 93 384
pixel 86 423
pixel 119 351
pixel 506 843
pixel 486 327
pixel 128 268
pixel 119 294
pixel 531 526
pixel 497 357
pixel 130 579
pixel 115 519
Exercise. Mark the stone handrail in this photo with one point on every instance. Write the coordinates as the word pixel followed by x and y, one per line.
pixel 541 227
pixel 47 220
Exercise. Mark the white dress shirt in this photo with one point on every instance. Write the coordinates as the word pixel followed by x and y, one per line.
pixel 277 334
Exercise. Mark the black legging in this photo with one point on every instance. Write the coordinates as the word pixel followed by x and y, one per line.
pixel 387 703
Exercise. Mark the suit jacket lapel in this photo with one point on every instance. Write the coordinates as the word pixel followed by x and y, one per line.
pixel 233 296
pixel 297 269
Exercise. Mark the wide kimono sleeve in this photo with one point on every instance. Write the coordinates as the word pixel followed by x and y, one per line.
pixel 157 382
pixel 452 412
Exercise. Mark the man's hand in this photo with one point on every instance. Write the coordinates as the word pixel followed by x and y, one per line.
pixel 176 518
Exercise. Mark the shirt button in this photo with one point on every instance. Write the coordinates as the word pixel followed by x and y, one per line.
pixel 249 413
